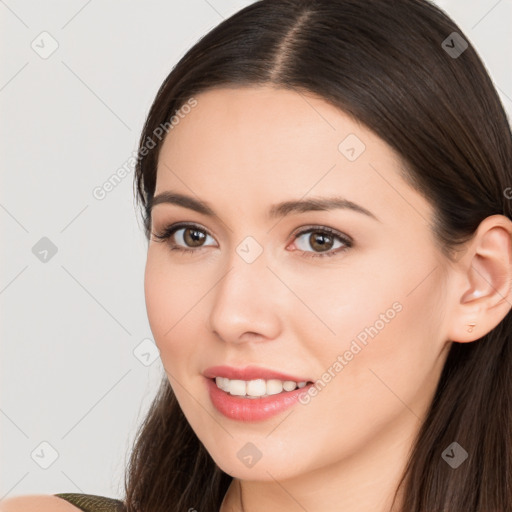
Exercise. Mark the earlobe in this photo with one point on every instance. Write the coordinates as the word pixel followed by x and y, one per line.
pixel 486 288
pixel 470 327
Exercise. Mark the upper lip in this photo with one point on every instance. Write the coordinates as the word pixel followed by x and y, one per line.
pixel 250 373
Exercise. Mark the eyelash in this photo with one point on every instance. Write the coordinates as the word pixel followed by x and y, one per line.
pixel 170 230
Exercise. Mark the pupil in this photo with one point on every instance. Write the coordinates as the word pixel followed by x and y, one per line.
pixel 196 237
pixel 320 239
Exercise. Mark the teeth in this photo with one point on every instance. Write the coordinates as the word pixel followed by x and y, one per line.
pixel 256 388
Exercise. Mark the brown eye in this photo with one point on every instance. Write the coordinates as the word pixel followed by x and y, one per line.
pixel 183 237
pixel 193 237
pixel 189 238
pixel 322 240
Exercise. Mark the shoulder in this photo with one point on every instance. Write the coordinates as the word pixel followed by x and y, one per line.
pixel 36 503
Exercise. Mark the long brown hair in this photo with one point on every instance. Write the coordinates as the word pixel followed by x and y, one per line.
pixel 393 67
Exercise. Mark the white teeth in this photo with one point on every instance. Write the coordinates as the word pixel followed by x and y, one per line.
pixel 257 388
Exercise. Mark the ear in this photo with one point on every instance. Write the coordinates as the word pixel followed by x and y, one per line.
pixel 484 288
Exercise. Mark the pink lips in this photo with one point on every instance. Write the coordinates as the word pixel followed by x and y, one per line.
pixel 251 409
pixel 250 373
pixel 248 409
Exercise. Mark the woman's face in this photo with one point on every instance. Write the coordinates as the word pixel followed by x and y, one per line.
pixel 364 318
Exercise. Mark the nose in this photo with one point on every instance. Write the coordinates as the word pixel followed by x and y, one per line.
pixel 245 302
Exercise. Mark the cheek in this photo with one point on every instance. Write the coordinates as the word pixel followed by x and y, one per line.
pixel 385 354
pixel 175 301
pixel 158 303
pixel 167 302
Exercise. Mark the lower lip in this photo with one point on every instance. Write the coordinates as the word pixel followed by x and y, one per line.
pixel 252 409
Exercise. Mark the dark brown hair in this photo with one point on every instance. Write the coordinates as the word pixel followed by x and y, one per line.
pixel 385 64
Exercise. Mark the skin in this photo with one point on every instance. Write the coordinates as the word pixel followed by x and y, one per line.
pixel 242 150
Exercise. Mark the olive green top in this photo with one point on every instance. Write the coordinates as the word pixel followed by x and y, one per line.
pixel 93 503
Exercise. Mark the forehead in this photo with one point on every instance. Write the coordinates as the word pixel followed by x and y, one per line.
pixel 249 146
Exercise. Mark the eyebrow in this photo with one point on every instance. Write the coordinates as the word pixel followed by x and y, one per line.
pixel 277 210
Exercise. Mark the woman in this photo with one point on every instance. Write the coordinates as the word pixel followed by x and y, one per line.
pixel 325 191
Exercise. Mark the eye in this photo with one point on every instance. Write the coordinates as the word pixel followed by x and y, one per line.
pixel 192 237
pixel 191 234
pixel 322 238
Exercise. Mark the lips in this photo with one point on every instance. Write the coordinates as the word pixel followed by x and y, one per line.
pixel 246 410
pixel 251 373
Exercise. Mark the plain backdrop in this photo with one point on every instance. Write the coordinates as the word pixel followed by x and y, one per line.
pixel 78 364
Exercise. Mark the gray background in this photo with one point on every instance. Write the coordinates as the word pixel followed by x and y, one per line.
pixel 78 363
